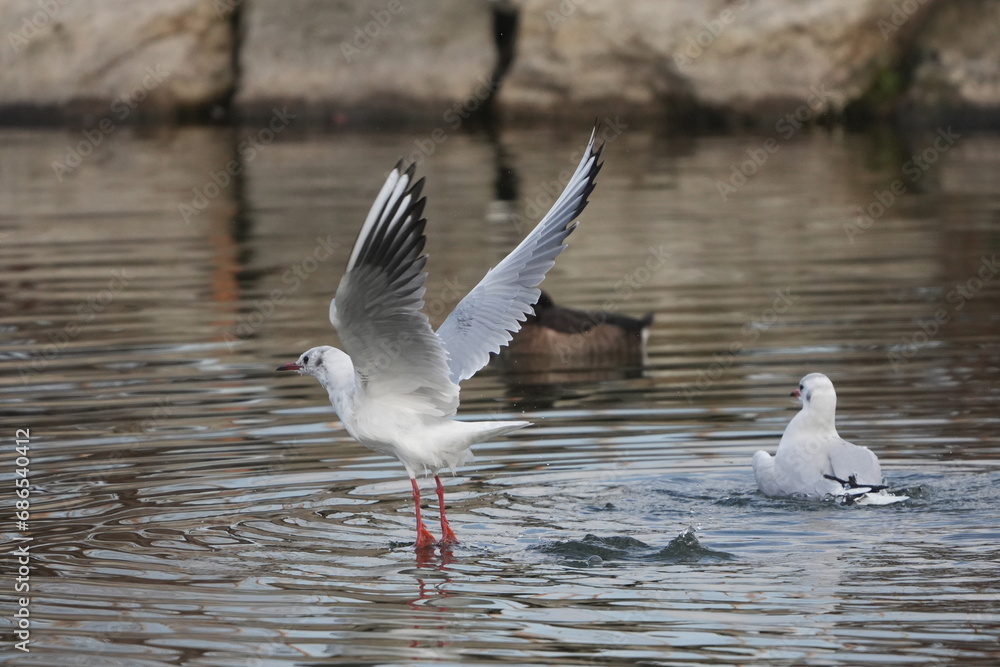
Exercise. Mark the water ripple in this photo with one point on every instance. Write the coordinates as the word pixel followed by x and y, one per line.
pixel 190 507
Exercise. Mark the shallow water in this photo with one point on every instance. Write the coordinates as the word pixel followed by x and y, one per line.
pixel 191 506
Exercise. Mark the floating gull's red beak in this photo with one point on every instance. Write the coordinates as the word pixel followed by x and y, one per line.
pixel 794 393
pixel 288 367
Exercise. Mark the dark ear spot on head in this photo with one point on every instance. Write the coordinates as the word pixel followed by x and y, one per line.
pixel 809 395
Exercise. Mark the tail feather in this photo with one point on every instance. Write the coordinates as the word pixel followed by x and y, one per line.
pixel 457 451
pixel 494 429
pixel 856 493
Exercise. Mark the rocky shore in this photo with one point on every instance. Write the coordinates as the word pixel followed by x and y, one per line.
pixel 705 62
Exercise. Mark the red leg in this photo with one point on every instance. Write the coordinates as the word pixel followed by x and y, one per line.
pixel 447 536
pixel 424 537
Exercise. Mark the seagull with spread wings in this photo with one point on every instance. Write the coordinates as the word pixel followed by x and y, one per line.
pixel 395 383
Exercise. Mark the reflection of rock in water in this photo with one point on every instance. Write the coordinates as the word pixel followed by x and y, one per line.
pixel 560 346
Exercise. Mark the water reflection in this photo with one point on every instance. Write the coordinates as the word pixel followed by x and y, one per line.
pixel 558 347
pixel 190 509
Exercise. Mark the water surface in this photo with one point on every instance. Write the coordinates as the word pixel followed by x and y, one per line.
pixel 191 506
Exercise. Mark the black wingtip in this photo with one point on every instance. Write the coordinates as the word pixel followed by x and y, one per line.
pixel 595 151
pixel 598 129
pixel 852 483
pixel 416 189
pixel 396 249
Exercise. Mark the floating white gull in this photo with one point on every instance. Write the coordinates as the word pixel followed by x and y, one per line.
pixel 814 461
pixel 395 384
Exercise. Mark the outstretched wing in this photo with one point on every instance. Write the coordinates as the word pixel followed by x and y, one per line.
pixel 483 321
pixel 377 309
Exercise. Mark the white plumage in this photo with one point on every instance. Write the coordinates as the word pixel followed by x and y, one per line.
pixel 814 461
pixel 395 384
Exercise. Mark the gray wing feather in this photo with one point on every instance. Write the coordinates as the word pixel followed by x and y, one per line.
pixel 847 459
pixel 484 320
pixel 377 309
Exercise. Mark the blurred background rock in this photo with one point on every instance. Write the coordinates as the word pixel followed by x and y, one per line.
pixel 707 63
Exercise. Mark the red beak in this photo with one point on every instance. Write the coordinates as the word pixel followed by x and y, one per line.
pixel 288 367
pixel 795 393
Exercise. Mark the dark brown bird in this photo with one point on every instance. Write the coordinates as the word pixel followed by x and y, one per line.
pixel 555 337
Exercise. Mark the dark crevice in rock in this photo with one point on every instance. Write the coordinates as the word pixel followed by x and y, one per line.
pixel 506 21
pixel 223 110
pixel 931 95
pixel 881 101
pixel 226 112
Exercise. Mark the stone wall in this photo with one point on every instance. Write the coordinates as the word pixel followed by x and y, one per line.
pixel 348 60
pixel 126 60
pixel 371 61
pixel 956 64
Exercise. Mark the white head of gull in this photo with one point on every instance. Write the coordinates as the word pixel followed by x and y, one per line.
pixel 395 384
pixel 814 461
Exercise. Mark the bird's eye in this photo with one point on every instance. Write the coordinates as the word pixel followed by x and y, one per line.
pixel 305 360
pixel 801 386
